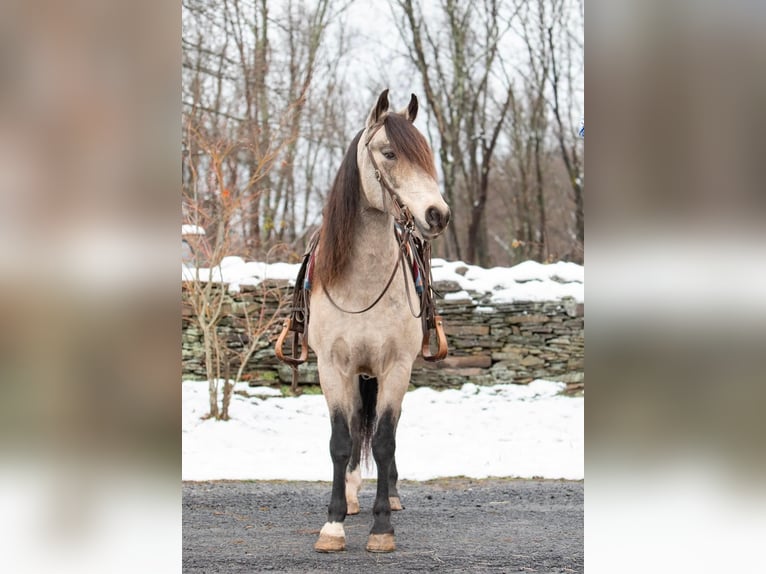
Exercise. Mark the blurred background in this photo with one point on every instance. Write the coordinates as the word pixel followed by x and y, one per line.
pixel 676 286
pixel 89 305
pixel 95 99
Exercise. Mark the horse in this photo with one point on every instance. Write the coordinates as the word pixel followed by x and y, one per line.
pixel 364 331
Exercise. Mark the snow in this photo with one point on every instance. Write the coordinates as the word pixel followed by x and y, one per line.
pixel 527 281
pixel 502 430
pixel 189 229
pixel 461 295
pixel 235 271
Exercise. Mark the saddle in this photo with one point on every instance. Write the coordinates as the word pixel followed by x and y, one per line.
pixel 418 255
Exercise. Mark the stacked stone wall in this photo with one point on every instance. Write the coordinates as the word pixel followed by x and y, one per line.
pixel 489 342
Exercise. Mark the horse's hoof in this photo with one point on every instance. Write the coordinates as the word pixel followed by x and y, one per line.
pixel 395 503
pixel 381 543
pixel 332 538
pixel 352 508
pixel 328 543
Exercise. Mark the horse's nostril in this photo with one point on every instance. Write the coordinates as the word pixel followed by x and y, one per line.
pixel 435 219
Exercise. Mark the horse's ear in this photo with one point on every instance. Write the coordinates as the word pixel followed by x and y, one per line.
pixel 411 111
pixel 380 108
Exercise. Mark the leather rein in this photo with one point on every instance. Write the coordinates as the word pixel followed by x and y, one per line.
pixel 420 251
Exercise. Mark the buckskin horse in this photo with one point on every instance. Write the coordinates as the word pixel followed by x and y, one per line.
pixel 372 261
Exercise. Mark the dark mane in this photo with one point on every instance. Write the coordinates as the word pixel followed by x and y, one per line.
pixel 408 143
pixel 340 218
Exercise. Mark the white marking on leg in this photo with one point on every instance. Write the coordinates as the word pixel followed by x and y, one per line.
pixel 353 483
pixel 353 486
pixel 333 529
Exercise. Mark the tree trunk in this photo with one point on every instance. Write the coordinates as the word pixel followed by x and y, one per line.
pixel 228 387
pixel 542 252
pixel 579 213
pixel 207 341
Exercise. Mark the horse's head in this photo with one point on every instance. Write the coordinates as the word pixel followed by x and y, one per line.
pixel 396 164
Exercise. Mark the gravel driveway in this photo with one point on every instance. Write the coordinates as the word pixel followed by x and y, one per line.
pixel 448 525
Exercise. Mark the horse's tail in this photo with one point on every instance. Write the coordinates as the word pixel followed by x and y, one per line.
pixel 368 387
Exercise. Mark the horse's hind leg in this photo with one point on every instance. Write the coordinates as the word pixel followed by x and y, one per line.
pixel 393 493
pixel 332 537
pixel 354 471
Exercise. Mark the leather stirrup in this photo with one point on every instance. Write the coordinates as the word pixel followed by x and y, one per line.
pixel 441 340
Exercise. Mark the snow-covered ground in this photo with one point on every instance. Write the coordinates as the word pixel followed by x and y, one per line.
pixel 503 430
pixel 528 281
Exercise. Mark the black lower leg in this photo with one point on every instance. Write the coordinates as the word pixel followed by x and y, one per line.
pixel 340 451
pixel 383 448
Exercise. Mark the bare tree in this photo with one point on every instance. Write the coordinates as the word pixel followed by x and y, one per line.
pixel 250 74
pixel 457 58
pixel 205 295
pixel 218 214
pixel 256 320
pixel 564 47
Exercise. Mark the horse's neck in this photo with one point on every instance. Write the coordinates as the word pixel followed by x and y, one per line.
pixel 374 246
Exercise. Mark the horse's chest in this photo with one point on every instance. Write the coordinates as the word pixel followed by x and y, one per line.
pixel 371 341
pixel 372 355
pixel 385 326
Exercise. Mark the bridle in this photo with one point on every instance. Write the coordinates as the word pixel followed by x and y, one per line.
pixel 409 243
pixel 403 219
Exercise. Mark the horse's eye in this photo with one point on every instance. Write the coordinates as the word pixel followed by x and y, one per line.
pixel 389 154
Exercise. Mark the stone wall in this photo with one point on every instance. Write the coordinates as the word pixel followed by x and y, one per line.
pixel 489 342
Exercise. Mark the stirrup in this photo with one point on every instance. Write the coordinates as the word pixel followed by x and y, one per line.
pixel 441 340
pixel 292 360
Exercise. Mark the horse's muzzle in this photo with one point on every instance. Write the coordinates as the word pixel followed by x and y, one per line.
pixel 437 220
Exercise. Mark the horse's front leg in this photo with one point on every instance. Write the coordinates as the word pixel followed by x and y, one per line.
pixel 383 448
pixel 381 537
pixel 390 395
pixel 332 537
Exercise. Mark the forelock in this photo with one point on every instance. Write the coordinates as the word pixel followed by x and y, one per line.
pixel 408 143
